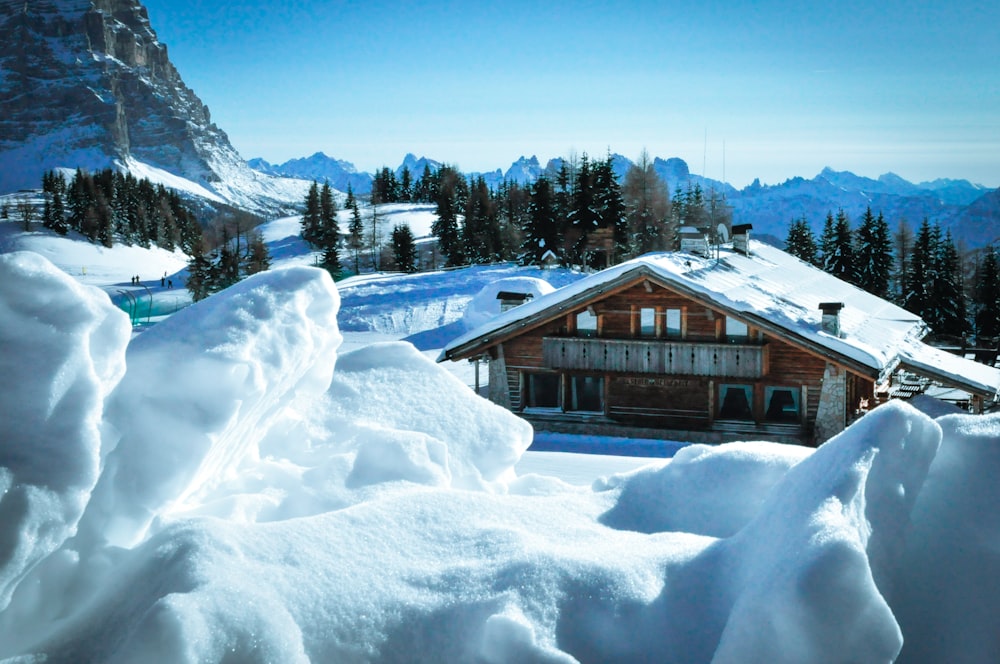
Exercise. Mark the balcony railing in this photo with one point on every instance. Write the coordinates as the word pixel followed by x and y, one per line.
pixel 688 358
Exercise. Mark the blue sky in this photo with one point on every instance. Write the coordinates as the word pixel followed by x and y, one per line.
pixel 770 91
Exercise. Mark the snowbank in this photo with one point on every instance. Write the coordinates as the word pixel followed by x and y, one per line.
pixel 203 387
pixel 260 499
pixel 63 352
pixel 485 306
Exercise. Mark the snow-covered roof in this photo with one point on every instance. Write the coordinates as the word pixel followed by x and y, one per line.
pixel 769 288
pixel 950 369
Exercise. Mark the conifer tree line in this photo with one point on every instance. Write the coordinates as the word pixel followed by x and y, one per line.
pixel 578 215
pixel 320 227
pixel 925 272
pixel 110 207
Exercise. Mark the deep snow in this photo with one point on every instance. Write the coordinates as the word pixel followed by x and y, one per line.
pixel 233 486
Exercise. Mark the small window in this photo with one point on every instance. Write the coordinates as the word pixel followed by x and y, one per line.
pixel 781 404
pixel 647 322
pixel 586 323
pixel 735 402
pixel 586 393
pixel 673 329
pixel 542 390
pixel 736 331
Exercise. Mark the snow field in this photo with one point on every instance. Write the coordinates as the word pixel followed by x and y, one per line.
pixel 230 487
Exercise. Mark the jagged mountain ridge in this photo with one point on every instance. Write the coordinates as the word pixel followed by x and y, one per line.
pixel 86 83
pixel 970 211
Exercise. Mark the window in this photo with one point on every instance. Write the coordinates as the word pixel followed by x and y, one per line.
pixel 586 323
pixel 647 322
pixel 542 390
pixel 781 404
pixel 736 331
pixel 586 393
pixel 673 329
pixel 735 402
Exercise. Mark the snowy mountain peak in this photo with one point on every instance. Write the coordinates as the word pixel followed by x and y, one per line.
pixel 524 170
pixel 416 166
pixel 89 85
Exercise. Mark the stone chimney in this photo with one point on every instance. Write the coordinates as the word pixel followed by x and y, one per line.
pixel 831 317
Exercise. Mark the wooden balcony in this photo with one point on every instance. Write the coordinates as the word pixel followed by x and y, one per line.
pixel 654 356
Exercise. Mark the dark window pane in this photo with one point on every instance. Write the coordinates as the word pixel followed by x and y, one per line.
pixel 543 390
pixel 736 402
pixel 587 393
pixel 782 404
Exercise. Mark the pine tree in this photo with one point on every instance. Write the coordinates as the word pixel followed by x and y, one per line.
pixel 311 219
pixel 423 191
pixel 986 298
pixel 801 242
pixel 583 217
pixel 481 230
pixel 562 205
pixel 873 257
pixel 355 231
pixel 404 248
pixel 920 273
pixel 902 245
pixel 374 242
pixel 445 227
pixel 328 240
pixel 837 247
pixel 948 290
pixel 385 188
pixel 540 231
pixel 611 208
pixel 405 185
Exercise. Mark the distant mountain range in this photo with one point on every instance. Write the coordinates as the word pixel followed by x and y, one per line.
pixel 970 211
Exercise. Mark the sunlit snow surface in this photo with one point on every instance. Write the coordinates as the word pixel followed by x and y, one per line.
pixel 230 487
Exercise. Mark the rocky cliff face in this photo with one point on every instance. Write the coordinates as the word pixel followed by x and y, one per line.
pixel 87 83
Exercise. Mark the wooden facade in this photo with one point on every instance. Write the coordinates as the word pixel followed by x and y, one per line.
pixel 646 360
pixel 690 348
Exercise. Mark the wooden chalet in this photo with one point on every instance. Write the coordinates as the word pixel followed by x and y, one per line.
pixel 749 344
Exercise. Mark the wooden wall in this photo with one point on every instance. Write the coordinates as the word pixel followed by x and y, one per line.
pixel 675 402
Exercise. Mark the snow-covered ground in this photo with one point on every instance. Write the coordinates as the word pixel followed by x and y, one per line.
pixel 236 484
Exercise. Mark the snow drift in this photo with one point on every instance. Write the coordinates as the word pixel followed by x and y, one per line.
pixel 246 495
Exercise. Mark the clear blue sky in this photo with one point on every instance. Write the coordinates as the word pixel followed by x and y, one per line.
pixel 769 89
